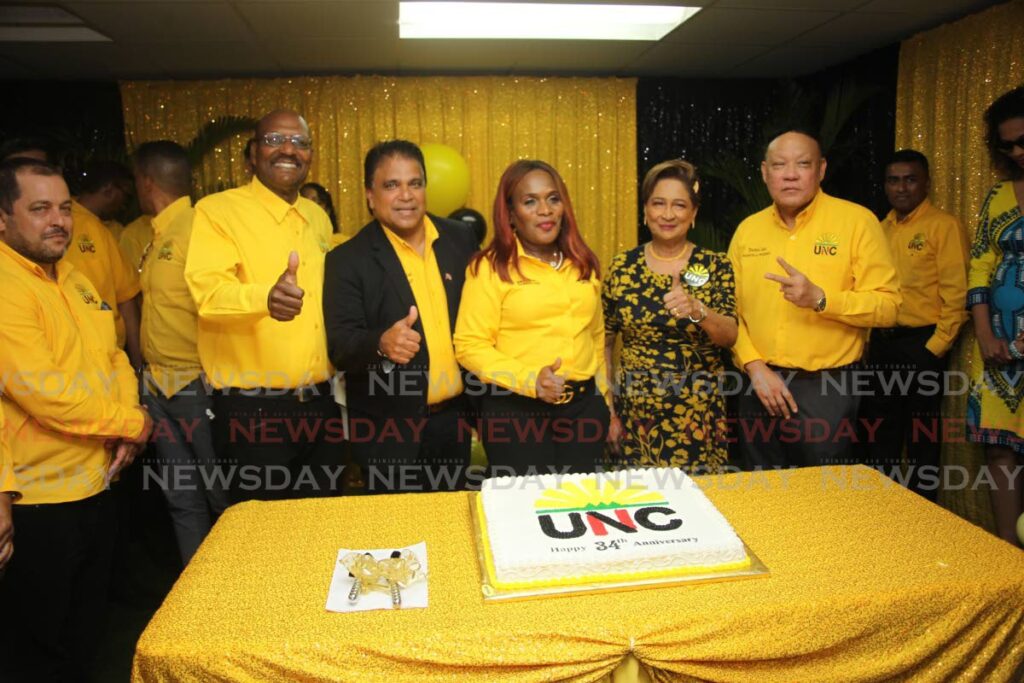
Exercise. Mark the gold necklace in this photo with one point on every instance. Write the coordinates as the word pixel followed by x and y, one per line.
pixel 654 254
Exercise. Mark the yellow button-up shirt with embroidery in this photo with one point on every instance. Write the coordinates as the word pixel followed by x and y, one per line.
pixel 94 252
pixel 8 482
pixel 169 319
pixel 67 386
pixel 136 237
pixel 508 331
pixel 930 255
pixel 840 247
pixel 240 243
pixel 432 303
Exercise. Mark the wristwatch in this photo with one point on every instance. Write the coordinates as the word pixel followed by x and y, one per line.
pixel 820 306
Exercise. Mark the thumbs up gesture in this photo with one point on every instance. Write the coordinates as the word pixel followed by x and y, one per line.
pixel 401 342
pixel 678 302
pixel 285 298
pixel 795 286
pixel 550 385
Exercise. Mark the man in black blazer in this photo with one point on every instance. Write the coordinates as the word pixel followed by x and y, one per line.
pixel 391 298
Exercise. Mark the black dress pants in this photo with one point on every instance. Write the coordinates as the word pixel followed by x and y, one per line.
pixel 525 436
pixel 53 597
pixel 904 406
pixel 822 432
pixel 278 444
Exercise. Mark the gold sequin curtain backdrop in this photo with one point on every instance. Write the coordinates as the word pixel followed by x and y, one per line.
pixel 947 78
pixel 585 127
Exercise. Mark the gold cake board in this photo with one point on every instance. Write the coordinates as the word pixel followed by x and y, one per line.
pixel 756 569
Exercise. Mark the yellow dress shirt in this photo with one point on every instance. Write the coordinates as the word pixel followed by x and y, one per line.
pixel 136 237
pixel 8 483
pixel 432 303
pixel 840 247
pixel 169 319
pixel 94 252
pixel 930 255
pixel 240 243
pixel 508 331
pixel 337 238
pixel 68 387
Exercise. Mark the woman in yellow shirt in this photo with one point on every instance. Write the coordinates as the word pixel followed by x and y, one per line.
pixel 530 327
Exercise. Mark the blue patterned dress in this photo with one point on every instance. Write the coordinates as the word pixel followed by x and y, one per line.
pixel 997 279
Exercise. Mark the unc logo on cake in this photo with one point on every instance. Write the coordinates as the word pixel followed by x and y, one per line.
pixel 592 507
pixel 553 530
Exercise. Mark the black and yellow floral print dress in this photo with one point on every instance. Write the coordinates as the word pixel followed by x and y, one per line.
pixel 668 385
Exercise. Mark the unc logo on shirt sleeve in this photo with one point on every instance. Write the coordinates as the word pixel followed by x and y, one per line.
pixel 826 245
pixel 86 245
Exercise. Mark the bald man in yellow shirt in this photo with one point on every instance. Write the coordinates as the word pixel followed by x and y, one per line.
pixel 813 273
pixel 255 268
pixel 73 422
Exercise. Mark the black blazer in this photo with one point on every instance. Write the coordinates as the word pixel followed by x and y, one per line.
pixel 366 292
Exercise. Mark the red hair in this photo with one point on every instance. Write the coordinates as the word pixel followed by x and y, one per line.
pixel 502 253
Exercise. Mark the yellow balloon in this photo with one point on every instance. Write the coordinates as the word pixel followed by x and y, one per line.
pixel 447 178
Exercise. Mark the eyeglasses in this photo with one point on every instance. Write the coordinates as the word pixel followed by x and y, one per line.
pixel 278 139
pixel 1006 146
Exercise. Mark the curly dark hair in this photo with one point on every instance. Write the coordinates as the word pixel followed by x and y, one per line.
pixel 1009 105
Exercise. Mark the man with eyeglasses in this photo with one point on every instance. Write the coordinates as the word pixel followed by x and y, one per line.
pixel 255 268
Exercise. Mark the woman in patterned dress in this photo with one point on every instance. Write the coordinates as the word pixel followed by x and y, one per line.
pixel 673 303
pixel 996 299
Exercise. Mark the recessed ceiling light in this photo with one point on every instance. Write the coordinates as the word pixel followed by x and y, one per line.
pixel 538 21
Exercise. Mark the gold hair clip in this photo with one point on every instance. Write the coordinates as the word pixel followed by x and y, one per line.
pixel 696 186
pixel 390 575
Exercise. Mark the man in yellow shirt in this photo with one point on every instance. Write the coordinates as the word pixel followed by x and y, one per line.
pixel 391 299
pixel 95 253
pixel 813 273
pixel 929 251
pixel 255 269
pixel 173 389
pixel 137 236
pixel 71 407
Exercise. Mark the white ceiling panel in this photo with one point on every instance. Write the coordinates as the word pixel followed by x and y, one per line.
pixel 318 20
pixel 220 38
pixel 165 22
pixel 343 56
pixel 747 26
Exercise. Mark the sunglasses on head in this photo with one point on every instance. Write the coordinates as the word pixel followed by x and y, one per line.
pixel 1006 146
pixel 278 139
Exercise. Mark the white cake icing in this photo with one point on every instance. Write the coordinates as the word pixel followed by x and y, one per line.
pixel 625 525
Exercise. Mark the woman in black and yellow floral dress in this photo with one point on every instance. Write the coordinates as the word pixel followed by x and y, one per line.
pixel 673 303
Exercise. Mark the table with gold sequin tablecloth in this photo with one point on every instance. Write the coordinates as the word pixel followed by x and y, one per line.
pixel 868 583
